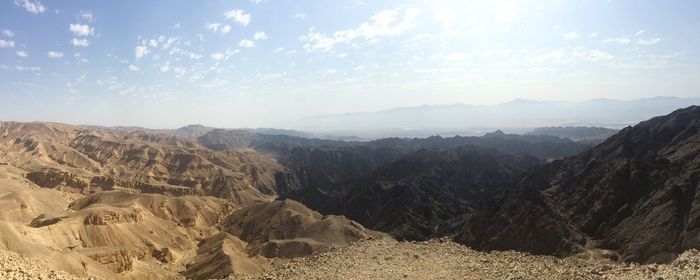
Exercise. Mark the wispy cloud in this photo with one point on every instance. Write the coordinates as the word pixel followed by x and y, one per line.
pixel 7 44
pixel 8 33
pixel 55 54
pixel 384 23
pixel 30 68
pixel 165 67
pixel 87 15
pixel 140 51
pixel 299 16
pixel 22 53
pixel 217 56
pixel 618 40
pixel 245 43
pixel 133 68
pixel 81 29
pixel 34 7
pixel 224 56
pixel 80 42
pixel 572 56
pixel 649 41
pixel 225 29
pixel 239 16
pixel 571 35
pixel 216 27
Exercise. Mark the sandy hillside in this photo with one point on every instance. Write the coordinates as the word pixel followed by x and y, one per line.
pixel 439 259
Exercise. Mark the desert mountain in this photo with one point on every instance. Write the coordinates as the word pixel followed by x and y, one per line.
pixel 635 194
pixel 88 160
pixel 135 204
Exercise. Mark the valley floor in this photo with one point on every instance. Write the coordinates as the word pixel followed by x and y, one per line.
pixel 440 259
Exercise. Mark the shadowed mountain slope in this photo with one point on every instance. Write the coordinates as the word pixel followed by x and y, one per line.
pixel 636 193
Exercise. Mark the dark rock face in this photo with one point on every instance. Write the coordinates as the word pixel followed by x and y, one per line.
pixel 636 193
pixel 412 196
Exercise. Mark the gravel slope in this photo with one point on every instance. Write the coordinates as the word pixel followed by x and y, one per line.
pixel 15 267
pixel 441 259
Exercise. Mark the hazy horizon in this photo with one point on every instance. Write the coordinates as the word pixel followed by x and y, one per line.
pixel 267 63
pixel 516 116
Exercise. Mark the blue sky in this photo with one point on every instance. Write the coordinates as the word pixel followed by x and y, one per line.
pixel 243 63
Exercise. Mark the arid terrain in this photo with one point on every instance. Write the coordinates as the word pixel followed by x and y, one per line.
pixel 435 259
pixel 205 203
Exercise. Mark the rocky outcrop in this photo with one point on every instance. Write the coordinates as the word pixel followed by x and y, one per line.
pixel 636 194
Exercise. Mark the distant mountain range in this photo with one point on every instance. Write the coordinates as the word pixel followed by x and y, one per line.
pixel 516 116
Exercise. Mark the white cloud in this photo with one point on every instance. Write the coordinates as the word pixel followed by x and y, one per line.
pixel 55 54
pixel 260 36
pixel 257 1
pixel 239 16
pixel 80 42
pixel 277 50
pixel 218 27
pixel 166 44
pixel 82 29
pixel 594 34
pixel 140 51
pixel 34 7
pixel 87 15
pixel 8 33
pixel 226 29
pixel 22 53
pixel 299 16
pixel 571 35
pixel 572 56
pixel 30 68
pixel 217 56
pixel 133 68
pixel 650 41
pixel 7 44
pixel 640 32
pixel 153 43
pixel 384 23
pixel 194 55
pixel 224 56
pixel 245 43
pixel 593 55
pixel 342 55
pixel 212 26
pixel 618 40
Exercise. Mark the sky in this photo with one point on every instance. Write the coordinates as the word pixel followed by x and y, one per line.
pixel 269 63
